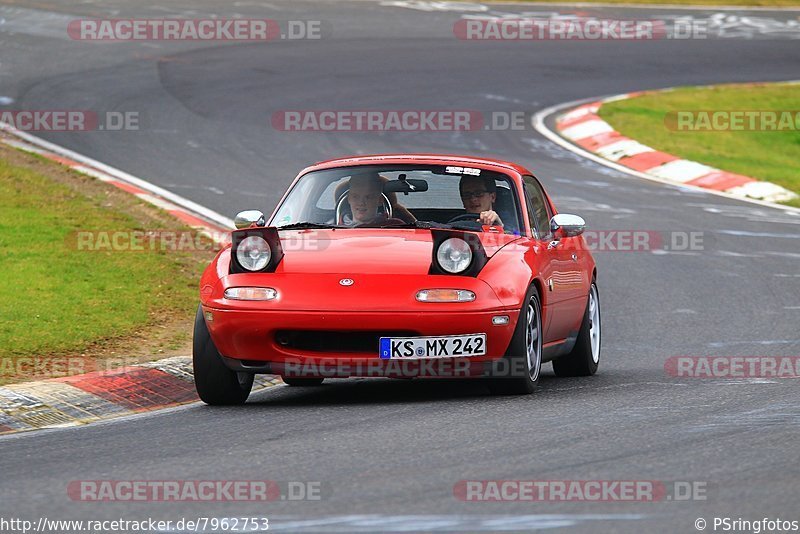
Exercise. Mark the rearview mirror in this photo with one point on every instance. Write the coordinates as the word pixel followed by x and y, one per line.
pixel 567 225
pixel 247 218
pixel 405 185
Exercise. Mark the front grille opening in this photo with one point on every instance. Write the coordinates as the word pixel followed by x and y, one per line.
pixel 336 340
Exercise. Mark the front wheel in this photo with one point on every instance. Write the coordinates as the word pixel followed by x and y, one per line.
pixel 585 356
pixel 215 383
pixel 518 372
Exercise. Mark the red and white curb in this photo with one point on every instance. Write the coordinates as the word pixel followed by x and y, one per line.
pixel 91 397
pixel 580 129
pixel 200 218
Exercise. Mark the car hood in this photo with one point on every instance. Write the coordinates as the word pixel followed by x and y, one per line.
pixel 368 250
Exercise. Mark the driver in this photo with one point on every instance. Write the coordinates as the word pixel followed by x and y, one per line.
pixel 365 197
pixel 479 195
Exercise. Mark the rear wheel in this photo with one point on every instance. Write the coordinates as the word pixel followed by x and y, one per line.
pixel 584 358
pixel 518 372
pixel 303 382
pixel 215 383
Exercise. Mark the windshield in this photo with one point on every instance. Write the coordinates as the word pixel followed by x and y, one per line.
pixel 382 196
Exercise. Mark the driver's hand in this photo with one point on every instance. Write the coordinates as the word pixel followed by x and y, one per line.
pixel 490 218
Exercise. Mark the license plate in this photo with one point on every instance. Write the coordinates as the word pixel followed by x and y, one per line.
pixel 410 348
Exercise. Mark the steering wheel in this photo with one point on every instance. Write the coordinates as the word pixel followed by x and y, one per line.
pixel 340 208
pixel 471 217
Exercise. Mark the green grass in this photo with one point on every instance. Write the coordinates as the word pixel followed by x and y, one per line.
pixel 55 299
pixel 772 156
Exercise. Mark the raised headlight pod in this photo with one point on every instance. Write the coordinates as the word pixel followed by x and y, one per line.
pixel 253 253
pixel 251 293
pixel 457 252
pixel 255 250
pixel 454 255
pixel 445 295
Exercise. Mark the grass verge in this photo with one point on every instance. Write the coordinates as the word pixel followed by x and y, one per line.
pixel 58 301
pixel 765 155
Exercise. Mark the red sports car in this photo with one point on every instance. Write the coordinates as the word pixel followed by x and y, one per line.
pixel 401 266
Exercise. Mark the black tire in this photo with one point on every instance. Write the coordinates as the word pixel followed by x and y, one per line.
pixel 301 382
pixel 517 374
pixel 584 358
pixel 215 383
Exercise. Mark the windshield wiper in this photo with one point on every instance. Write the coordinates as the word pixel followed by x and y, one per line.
pixel 416 224
pixel 468 226
pixel 307 225
pixel 461 225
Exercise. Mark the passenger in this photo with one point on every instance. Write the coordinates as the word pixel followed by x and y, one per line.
pixel 479 195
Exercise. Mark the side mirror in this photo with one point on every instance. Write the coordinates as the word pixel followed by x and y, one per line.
pixel 246 219
pixel 567 225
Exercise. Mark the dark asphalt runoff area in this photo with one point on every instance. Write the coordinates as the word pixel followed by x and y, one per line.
pixel 388 454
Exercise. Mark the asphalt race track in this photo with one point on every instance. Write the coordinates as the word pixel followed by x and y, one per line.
pixel 388 454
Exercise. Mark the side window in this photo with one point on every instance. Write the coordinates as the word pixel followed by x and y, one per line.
pixel 540 217
pixel 531 214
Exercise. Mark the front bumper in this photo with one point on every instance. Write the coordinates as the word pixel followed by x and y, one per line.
pixel 249 339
